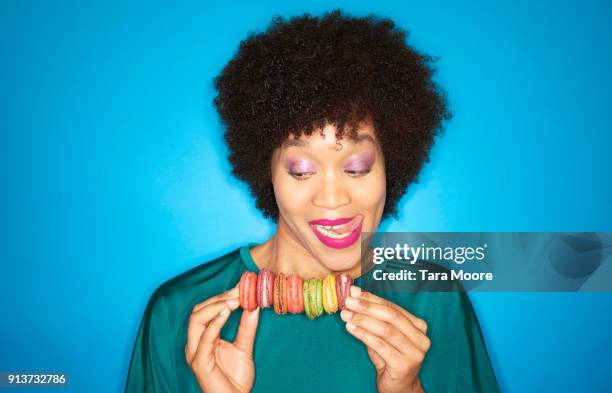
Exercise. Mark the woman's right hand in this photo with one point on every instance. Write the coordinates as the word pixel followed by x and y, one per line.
pixel 218 365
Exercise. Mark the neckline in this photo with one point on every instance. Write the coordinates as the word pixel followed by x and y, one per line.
pixel 247 260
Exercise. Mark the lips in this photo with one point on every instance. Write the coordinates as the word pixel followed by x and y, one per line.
pixel 337 221
pixel 347 230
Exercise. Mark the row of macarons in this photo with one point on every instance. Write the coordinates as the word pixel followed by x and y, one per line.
pixel 291 293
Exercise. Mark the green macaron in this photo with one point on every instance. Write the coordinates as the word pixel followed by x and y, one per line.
pixel 313 297
pixel 318 288
pixel 306 294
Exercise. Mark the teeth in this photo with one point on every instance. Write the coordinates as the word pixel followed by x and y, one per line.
pixel 328 227
pixel 325 230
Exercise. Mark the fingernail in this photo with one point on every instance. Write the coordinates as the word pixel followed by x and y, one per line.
pixel 251 314
pixel 232 302
pixel 350 326
pixel 346 315
pixel 224 312
pixel 351 302
pixel 355 291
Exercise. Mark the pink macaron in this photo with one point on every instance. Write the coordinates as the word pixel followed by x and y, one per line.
pixel 343 288
pixel 265 288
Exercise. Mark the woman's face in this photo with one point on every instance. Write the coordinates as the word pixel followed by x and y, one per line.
pixel 315 180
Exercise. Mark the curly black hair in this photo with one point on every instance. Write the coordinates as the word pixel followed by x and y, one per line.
pixel 300 74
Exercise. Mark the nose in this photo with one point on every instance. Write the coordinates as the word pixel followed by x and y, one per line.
pixel 331 194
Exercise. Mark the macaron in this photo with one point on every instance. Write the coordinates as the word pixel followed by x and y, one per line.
pixel 313 297
pixel 281 297
pixel 265 288
pixel 330 300
pixel 343 288
pixel 248 291
pixel 295 293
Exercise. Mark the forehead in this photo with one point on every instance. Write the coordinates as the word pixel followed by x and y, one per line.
pixel 365 134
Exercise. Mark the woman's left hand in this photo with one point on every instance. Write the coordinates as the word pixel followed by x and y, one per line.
pixel 396 340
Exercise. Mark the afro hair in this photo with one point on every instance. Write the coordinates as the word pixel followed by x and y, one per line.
pixel 300 74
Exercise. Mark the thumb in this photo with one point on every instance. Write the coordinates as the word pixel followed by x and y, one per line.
pixel 247 330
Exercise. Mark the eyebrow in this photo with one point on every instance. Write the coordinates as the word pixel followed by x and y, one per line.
pixel 301 143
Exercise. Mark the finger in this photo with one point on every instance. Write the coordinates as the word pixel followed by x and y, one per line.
pixel 389 332
pixel 229 294
pixel 359 293
pixel 198 321
pixel 247 330
pixel 385 350
pixel 377 360
pixel 205 353
pixel 390 315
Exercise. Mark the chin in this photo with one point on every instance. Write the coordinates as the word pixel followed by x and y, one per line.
pixel 336 260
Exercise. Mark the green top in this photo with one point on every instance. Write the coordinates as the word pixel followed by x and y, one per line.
pixel 295 354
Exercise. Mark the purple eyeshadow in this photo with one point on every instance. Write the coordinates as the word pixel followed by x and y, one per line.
pixel 361 163
pixel 299 166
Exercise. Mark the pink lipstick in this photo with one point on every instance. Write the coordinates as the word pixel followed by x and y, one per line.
pixel 338 233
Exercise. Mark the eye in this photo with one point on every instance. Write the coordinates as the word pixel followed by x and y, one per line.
pixel 359 165
pixel 358 173
pixel 300 175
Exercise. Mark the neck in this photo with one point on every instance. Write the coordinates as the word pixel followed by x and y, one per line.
pixel 283 253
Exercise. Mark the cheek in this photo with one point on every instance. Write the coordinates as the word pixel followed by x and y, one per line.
pixel 290 199
pixel 370 193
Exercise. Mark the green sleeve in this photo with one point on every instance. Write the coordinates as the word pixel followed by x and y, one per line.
pixel 151 363
pixel 475 373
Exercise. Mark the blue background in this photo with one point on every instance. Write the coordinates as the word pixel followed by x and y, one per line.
pixel 114 176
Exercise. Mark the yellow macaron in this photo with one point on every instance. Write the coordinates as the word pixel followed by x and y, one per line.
pixel 330 300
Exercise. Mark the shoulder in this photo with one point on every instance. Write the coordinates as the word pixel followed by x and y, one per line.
pixel 195 285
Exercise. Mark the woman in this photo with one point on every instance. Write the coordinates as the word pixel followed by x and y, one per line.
pixel 328 120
